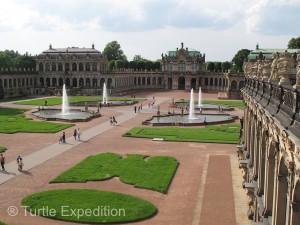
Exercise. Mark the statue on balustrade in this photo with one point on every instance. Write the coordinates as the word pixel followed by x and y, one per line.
pixel 259 68
pixel 254 69
pixel 274 70
pixel 297 85
pixel 266 68
pixel 285 64
pixel 246 68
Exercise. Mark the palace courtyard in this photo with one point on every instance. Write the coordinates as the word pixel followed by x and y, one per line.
pixel 206 188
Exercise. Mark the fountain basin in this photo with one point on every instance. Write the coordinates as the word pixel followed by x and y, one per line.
pixel 73 115
pixel 96 103
pixel 206 106
pixel 183 120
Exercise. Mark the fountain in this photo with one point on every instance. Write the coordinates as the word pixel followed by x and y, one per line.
pixel 64 114
pixel 192 107
pixel 65 103
pixel 200 98
pixel 104 98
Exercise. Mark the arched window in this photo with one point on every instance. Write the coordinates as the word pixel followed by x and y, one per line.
pixel 169 67
pixel 47 67
pixel 154 80
pixel 109 82
pixel 67 67
pixel 159 81
pixel 148 80
pixel 53 65
pixel 80 66
pixel 143 81
pixel 216 81
pixel 194 66
pixel 181 66
pixel 60 67
pixel 74 67
pixel 87 67
pixel 41 67
pixel 102 81
pixel 54 82
pixel 211 81
pixel 87 82
pixel 233 85
pixel 74 81
pixel 94 82
pixel 206 81
pixel 134 81
pixel 68 82
pixel 94 67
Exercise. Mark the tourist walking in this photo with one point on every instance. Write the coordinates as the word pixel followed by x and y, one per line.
pixel 114 120
pixel 78 134
pixel 20 165
pixel 62 139
pixel 111 120
pixel 18 159
pixel 2 161
pixel 75 133
pixel 135 109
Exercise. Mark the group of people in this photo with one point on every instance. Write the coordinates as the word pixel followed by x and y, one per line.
pixel 77 134
pixel 113 121
pixel 19 162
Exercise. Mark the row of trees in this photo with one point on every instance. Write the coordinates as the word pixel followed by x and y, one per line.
pixel 10 58
pixel 118 60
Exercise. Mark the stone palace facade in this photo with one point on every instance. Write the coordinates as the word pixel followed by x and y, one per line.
pixel 84 71
pixel 269 153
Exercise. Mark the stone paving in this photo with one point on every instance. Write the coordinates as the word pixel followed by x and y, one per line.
pixel 186 200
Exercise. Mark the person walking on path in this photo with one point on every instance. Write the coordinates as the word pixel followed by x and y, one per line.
pixel 75 133
pixel 114 120
pixel 64 137
pixel 78 134
pixel 2 161
pixel 18 159
pixel 20 165
pixel 135 109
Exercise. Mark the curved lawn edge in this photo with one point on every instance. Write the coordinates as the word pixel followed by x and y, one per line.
pixel 2 223
pixel 2 149
pixel 90 206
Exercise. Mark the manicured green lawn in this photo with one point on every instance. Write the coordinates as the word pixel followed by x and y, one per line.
pixel 231 103
pixel 154 173
pixel 13 121
pixel 72 99
pixel 88 206
pixel 2 149
pixel 228 134
pixel 15 99
pixel 2 223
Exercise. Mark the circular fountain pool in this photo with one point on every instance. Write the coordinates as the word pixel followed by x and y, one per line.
pixel 205 106
pixel 72 116
pixel 184 120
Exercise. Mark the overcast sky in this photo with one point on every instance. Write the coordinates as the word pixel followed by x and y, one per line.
pixel 218 28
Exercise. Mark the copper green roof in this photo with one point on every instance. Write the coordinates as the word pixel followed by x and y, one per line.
pixel 191 52
pixel 267 52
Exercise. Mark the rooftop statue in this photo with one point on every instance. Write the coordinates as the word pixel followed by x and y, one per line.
pixel 266 69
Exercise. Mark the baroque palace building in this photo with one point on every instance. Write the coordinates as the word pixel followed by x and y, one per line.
pixel 269 153
pixel 85 70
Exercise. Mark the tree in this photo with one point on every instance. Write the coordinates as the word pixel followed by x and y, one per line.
pixel 137 58
pixel 157 65
pixel 218 66
pixel 141 65
pixel 226 66
pixel 113 51
pixel 120 64
pixel 132 64
pixel 239 58
pixel 210 66
pixel 111 64
pixel 24 61
pixel 294 43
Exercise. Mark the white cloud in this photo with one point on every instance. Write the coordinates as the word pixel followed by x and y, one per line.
pixel 149 27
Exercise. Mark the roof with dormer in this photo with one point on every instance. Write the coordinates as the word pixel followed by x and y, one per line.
pixel 267 52
pixel 191 52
